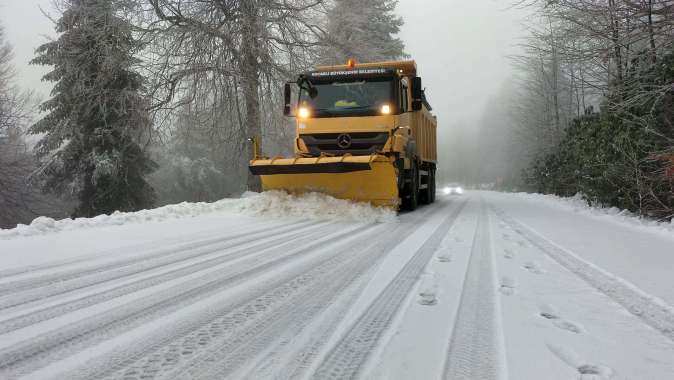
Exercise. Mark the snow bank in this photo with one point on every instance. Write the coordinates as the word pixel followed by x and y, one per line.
pixel 273 204
pixel 613 214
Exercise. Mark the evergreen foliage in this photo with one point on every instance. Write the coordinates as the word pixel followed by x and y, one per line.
pixel 620 157
pixel 364 30
pixel 96 117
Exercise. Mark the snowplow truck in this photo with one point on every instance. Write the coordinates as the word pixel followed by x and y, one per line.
pixel 364 132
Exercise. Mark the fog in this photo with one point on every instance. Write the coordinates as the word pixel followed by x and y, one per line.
pixel 461 48
pixel 27 27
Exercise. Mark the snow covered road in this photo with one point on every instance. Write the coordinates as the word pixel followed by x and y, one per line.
pixel 483 286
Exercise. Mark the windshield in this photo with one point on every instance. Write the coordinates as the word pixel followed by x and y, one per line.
pixel 349 98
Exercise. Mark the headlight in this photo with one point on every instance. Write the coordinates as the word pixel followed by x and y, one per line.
pixel 303 113
pixel 385 109
pixel 459 190
pixel 446 190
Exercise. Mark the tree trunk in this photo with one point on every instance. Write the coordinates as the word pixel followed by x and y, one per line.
pixel 251 83
pixel 555 90
pixel 651 35
pixel 615 38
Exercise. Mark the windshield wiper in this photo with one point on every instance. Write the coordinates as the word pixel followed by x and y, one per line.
pixel 355 107
pixel 325 110
pixel 337 111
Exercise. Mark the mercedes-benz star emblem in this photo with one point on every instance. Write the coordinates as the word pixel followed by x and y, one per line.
pixel 344 141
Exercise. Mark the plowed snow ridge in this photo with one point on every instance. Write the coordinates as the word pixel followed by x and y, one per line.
pixel 271 204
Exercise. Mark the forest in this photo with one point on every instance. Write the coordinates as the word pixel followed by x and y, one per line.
pixel 154 100
pixel 590 110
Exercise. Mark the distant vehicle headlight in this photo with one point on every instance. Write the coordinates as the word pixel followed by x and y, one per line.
pixel 447 190
pixel 459 190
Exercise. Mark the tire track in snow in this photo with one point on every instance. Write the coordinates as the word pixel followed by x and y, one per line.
pixel 476 349
pixel 72 281
pixel 161 348
pixel 37 316
pixel 13 272
pixel 285 362
pixel 98 255
pixel 291 313
pixel 59 277
pixel 295 313
pixel 36 352
pixel 346 358
pixel 650 309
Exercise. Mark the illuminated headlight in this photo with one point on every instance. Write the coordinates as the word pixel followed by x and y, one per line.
pixel 385 109
pixel 303 113
pixel 459 190
pixel 447 190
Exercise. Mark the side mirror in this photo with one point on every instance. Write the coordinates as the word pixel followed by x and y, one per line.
pixel 417 94
pixel 287 91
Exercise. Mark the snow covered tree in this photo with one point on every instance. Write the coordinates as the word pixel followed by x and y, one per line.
pixel 97 116
pixel 15 164
pixel 247 47
pixel 616 57
pixel 20 201
pixel 364 30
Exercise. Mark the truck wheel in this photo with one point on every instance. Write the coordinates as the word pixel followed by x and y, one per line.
pixel 431 184
pixel 425 195
pixel 411 199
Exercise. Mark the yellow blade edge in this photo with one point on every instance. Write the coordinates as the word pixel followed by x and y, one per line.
pixel 377 185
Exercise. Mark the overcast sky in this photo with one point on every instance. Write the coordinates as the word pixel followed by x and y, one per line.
pixel 460 47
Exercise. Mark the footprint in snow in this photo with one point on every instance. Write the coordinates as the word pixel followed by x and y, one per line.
pixel 568 326
pixel 508 254
pixel 551 314
pixel 533 267
pixel 585 370
pixel 444 257
pixel 594 372
pixel 428 290
pixel 507 286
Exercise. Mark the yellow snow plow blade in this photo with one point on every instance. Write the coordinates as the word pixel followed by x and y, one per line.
pixel 370 179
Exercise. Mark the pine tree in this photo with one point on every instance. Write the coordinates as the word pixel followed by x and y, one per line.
pixel 364 30
pixel 96 116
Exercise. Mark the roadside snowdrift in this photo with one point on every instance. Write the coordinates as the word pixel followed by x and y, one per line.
pixel 273 204
pixel 612 214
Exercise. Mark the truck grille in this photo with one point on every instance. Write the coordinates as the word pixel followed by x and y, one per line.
pixel 361 143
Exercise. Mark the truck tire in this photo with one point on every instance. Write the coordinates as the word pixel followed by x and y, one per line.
pixel 425 195
pixel 431 184
pixel 411 195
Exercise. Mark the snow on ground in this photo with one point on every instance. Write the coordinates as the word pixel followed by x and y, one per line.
pixel 633 250
pixel 579 205
pixel 271 204
pixel 485 285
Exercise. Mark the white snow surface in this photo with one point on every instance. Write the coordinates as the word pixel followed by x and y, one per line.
pixel 484 285
pixel 610 214
pixel 271 204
